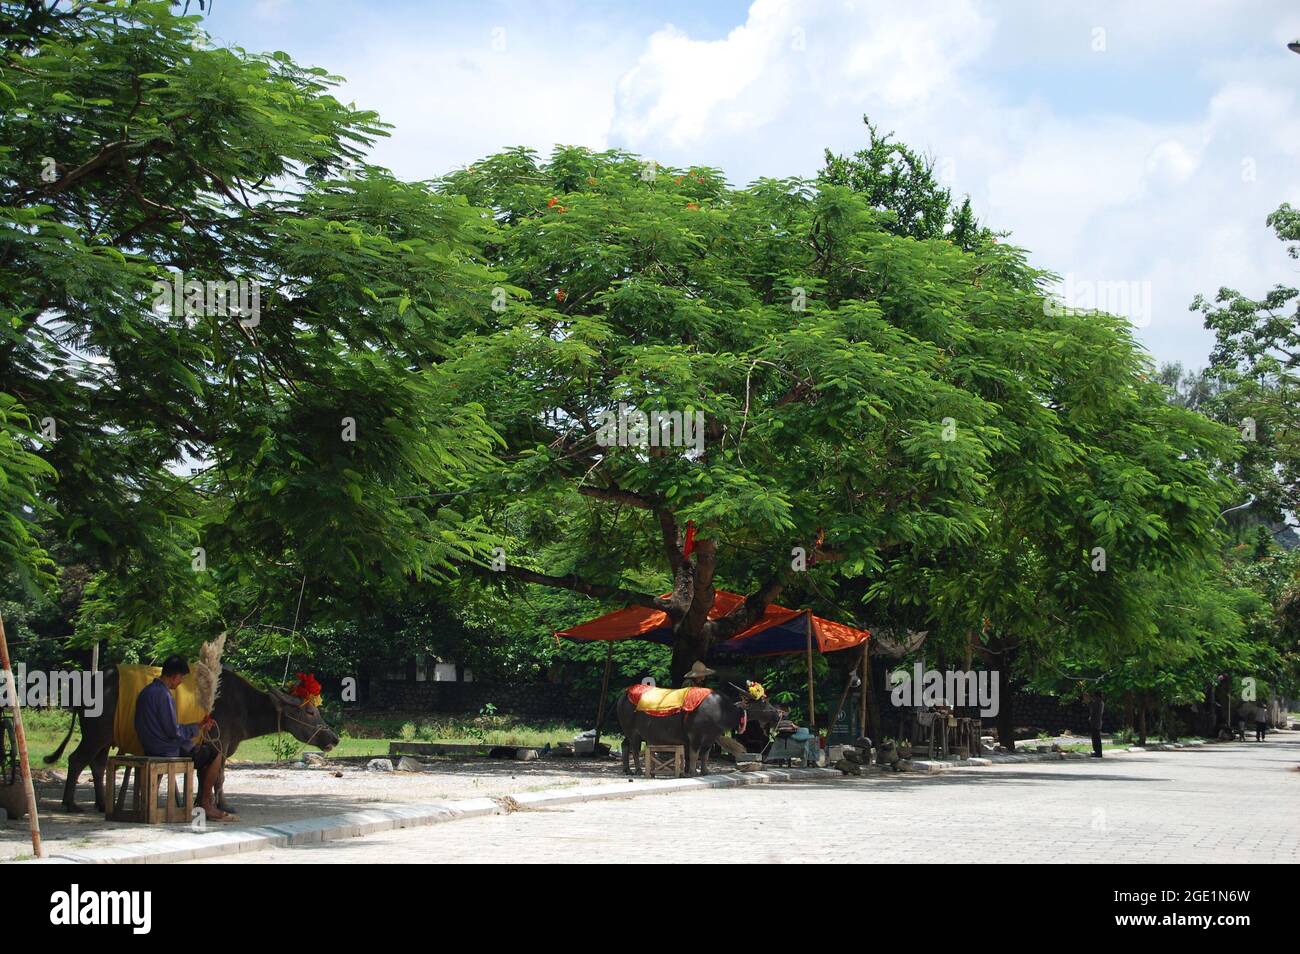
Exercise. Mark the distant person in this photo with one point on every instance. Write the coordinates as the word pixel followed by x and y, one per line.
pixel 1096 709
pixel 696 675
pixel 1261 721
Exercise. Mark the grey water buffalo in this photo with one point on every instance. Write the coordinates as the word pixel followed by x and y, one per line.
pixel 697 730
pixel 242 712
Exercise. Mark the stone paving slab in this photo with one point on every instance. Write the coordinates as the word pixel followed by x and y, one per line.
pixel 218 841
pixel 1140 809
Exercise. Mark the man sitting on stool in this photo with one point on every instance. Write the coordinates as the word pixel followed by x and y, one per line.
pixel 163 737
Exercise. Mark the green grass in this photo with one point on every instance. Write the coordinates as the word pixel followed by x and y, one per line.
pixel 360 736
pixel 45 729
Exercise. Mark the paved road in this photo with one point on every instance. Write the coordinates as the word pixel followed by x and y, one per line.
pixel 1217 803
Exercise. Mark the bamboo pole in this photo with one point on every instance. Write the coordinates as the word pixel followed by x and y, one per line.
pixel 20 736
pixel 604 689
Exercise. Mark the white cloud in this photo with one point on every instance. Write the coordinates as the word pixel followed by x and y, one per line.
pixel 789 62
pixel 1156 160
pixel 455 95
pixel 1172 190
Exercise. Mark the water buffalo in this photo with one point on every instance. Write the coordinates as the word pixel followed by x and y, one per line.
pixel 698 730
pixel 242 712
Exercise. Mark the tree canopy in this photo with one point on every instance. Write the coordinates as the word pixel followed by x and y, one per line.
pixel 249 379
pixel 872 406
pixel 229 326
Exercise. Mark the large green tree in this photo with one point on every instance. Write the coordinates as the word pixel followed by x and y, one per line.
pixel 896 408
pixel 314 439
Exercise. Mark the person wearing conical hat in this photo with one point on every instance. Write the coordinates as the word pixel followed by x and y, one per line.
pixel 696 675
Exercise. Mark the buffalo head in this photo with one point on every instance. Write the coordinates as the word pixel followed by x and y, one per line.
pixel 303 720
pixel 762 711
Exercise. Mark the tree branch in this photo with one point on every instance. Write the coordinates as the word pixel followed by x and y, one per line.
pixel 615 495
pixel 747 613
pixel 578 585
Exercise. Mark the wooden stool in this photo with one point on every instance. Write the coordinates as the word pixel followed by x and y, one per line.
pixel 149 772
pixel 664 758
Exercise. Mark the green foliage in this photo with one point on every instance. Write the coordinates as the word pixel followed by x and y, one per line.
pixel 882 382
pixel 1256 363
pixel 285 748
pixel 135 156
pixel 961 443
pixel 901 183
pixel 22 474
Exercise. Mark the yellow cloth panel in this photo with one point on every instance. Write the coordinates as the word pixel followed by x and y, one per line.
pixel 656 700
pixel 131 680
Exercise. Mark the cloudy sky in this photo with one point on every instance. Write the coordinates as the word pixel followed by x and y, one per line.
pixel 1131 147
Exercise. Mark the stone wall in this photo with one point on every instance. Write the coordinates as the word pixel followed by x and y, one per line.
pixel 1046 713
pixel 544 700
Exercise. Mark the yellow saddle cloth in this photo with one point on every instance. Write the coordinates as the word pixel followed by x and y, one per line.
pixel 131 680
pixel 664 702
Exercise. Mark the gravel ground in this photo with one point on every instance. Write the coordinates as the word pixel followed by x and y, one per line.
pixel 265 794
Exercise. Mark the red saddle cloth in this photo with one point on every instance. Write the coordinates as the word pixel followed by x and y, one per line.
pixel 665 702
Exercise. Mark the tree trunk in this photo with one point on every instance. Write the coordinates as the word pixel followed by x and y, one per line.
pixel 1006 721
pixel 687 648
pixel 874 719
pixel 1142 720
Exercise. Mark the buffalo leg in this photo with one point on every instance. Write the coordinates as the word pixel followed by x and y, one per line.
pixel 77 761
pixel 220 790
pixel 632 752
pixel 98 764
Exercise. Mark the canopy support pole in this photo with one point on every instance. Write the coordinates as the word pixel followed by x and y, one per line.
pixel 812 711
pixel 604 689
pixel 20 736
pixel 867 729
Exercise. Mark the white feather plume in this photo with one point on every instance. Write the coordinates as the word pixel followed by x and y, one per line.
pixel 207 672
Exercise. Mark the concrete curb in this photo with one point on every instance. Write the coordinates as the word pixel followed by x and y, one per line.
pixel 218 841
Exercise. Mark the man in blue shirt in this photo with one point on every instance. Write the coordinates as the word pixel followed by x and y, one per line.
pixel 164 737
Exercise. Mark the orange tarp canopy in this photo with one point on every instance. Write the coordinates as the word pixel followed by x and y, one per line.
pixel 780 631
